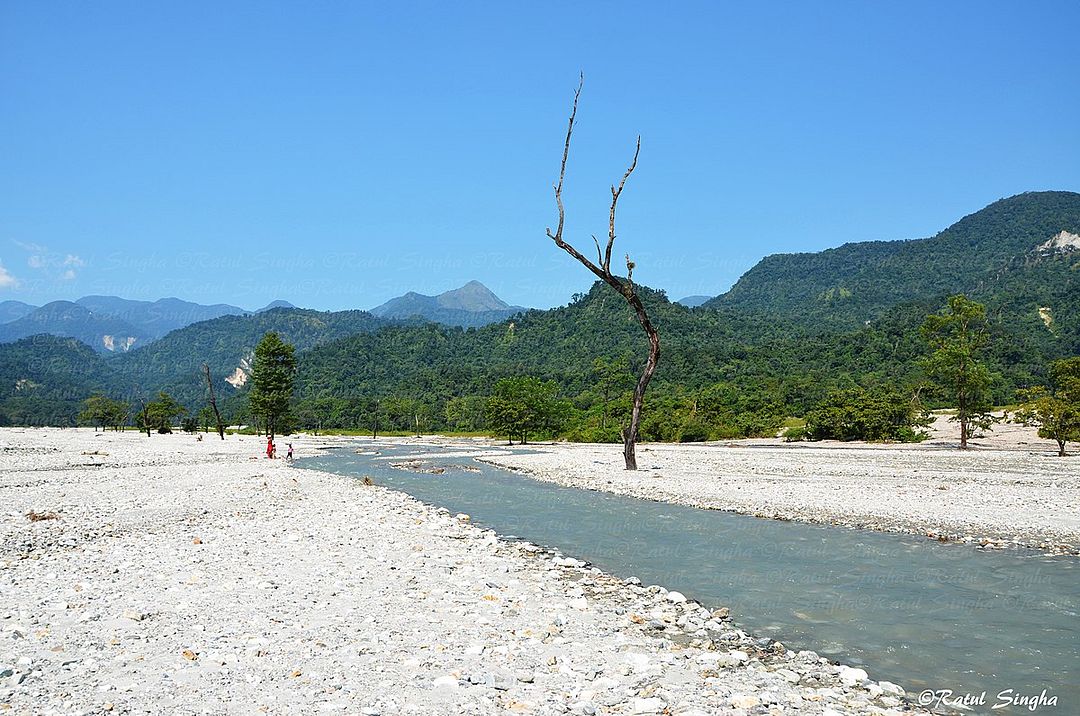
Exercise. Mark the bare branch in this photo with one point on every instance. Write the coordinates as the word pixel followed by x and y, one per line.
pixel 615 193
pixel 557 236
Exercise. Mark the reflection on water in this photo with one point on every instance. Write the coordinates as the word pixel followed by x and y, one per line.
pixel 922 614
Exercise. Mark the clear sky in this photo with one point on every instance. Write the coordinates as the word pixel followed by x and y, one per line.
pixel 336 154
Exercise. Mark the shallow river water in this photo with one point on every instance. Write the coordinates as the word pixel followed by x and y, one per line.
pixel 909 610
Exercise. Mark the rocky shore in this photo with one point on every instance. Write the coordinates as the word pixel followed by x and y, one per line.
pixel 163 575
pixel 1011 495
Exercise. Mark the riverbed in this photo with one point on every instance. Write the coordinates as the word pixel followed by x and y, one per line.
pixel 910 610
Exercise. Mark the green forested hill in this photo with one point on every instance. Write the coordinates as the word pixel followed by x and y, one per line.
pixel 44 378
pixel 173 363
pixel 989 255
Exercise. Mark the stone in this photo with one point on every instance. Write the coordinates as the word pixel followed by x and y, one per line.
pixel 744 701
pixel 892 689
pixel 851 677
pixel 445 682
pixel 675 597
pixel 650 705
pixel 788 675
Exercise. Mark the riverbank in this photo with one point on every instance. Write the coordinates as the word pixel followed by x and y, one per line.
pixel 1008 493
pixel 165 575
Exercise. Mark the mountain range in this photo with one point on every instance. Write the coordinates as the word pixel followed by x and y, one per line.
pixel 792 327
pixel 109 324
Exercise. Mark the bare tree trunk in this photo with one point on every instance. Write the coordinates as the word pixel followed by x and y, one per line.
pixel 602 269
pixel 213 402
pixel 1061 448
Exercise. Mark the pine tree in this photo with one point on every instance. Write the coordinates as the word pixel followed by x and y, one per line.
pixel 272 376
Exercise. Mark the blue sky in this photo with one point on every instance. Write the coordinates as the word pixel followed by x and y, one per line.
pixel 337 154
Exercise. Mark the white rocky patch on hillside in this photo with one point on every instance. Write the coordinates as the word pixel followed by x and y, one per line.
pixel 112 344
pixel 1047 316
pixel 239 377
pixel 1063 242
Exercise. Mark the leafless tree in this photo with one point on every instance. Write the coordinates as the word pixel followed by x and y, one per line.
pixel 213 402
pixel 625 286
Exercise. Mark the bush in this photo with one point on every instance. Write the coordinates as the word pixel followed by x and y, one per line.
pixel 693 431
pixel 795 434
pixel 877 415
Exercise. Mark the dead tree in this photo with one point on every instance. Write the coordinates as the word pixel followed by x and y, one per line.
pixel 213 402
pixel 625 286
pixel 144 415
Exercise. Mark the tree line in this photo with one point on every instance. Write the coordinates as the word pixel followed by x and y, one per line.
pixel 525 407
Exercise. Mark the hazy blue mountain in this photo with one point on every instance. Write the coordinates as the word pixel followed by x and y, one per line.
pixel 274 304
pixel 14 310
pixel 104 333
pixel 156 318
pixel 694 301
pixel 471 305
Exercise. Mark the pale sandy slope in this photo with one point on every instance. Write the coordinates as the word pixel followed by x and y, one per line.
pixel 1010 488
pixel 184 577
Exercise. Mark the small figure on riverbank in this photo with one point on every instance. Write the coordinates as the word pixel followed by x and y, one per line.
pixel 289 453
pixel 270 448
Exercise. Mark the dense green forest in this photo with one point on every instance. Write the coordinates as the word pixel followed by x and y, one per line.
pixel 793 331
pixel 991 255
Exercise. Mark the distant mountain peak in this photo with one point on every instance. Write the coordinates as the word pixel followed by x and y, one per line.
pixel 694 301
pixel 473 296
pixel 279 303
pixel 14 310
pixel 473 304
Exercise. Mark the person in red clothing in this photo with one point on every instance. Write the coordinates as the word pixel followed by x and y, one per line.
pixel 270 448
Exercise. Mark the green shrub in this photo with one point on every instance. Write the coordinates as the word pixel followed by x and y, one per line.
pixel 795 434
pixel 881 414
pixel 693 431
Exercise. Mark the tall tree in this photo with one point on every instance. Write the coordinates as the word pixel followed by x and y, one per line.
pixel 1055 410
pixel 958 334
pixel 273 373
pixel 625 286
